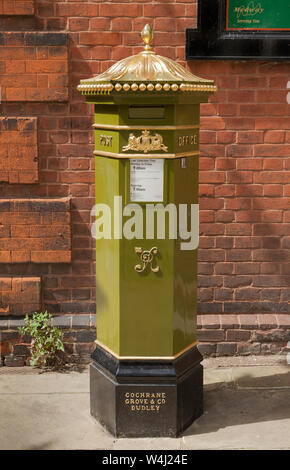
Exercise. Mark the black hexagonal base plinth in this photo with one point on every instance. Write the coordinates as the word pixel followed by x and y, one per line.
pixel 146 398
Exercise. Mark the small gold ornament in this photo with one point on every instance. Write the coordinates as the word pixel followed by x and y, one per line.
pixel 147 36
pixel 147 258
pixel 145 142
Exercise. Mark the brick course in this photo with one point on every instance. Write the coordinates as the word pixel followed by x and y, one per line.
pixel 218 336
pixel 16 7
pixel 19 295
pixel 35 230
pixel 79 332
pixel 225 335
pixel 18 150
pixel 34 66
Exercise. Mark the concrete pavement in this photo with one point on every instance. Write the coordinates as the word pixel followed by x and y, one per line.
pixel 247 406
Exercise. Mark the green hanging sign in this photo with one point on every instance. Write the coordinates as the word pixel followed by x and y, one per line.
pixel 258 15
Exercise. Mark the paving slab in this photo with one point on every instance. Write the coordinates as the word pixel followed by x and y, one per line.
pixel 244 360
pixel 217 378
pixel 46 383
pixel 262 377
pixel 148 444
pixel 242 419
pixel 50 422
pixel 246 406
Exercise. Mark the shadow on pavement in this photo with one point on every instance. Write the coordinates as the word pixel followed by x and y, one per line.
pixel 247 400
pixel 46 445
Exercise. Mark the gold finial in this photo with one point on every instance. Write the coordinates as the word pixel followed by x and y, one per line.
pixel 147 36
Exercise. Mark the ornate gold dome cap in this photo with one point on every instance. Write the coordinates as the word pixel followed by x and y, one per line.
pixel 146 71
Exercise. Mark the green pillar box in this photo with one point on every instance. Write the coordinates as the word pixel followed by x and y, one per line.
pixel 146 378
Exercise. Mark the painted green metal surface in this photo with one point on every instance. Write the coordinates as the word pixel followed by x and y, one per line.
pixel 145 314
pixel 108 175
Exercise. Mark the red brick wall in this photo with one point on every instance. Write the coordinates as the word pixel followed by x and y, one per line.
pixel 244 250
pixel 19 295
pixel 16 7
pixel 244 164
pixel 35 231
pixel 34 67
pixel 18 150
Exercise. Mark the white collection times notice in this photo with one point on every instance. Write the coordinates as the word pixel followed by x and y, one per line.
pixel 146 180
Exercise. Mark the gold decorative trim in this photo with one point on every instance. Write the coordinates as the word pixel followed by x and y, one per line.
pixel 147 36
pixel 145 142
pixel 146 358
pixel 158 128
pixel 101 153
pixel 95 88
